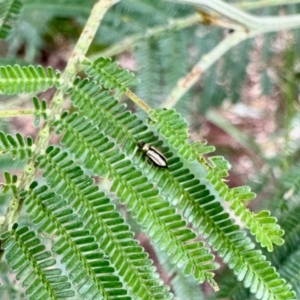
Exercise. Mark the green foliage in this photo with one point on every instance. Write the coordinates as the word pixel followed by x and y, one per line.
pixel 28 257
pixel 290 224
pixel 16 147
pixel 264 227
pixel 104 223
pixel 87 266
pixel 10 183
pixel 201 209
pixel 16 79
pixel 156 216
pixel 187 210
pixel 234 77
pixel 286 258
pixel 164 57
pixel 109 75
pixel 160 200
pixel 174 128
pixel 9 12
pixel 40 110
pixel 231 288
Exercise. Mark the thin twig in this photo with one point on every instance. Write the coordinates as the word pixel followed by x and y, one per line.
pixel 251 26
pixel 17 113
pixel 138 101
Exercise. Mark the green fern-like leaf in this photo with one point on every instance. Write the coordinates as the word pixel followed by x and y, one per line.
pixel 10 183
pixel 216 226
pixel 100 105
pixel 265 228
pixel 147 206
pixel 116 241
pixel 27 256
pixel 173 127
pixel 16 147
pixel 9 11
pixel 207 215
pixel 40 110
pixel 172 205
pixel 88 269
pixel 16 79
pixel 110 75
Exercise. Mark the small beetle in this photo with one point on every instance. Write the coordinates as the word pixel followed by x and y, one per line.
pixel 154 155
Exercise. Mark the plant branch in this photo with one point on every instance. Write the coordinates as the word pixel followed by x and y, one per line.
pixel 138 101
pixel 129 42
pixel 88 33
pixel 251 26
pixel 255 25
pixel 258 4
pixel 217 119
pixel 16 113
pixel 185 83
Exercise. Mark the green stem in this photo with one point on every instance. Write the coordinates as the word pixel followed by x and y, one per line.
pixel 138 101
pixel 16 113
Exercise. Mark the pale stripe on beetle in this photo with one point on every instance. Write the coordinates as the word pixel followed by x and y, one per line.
pixel 154 155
